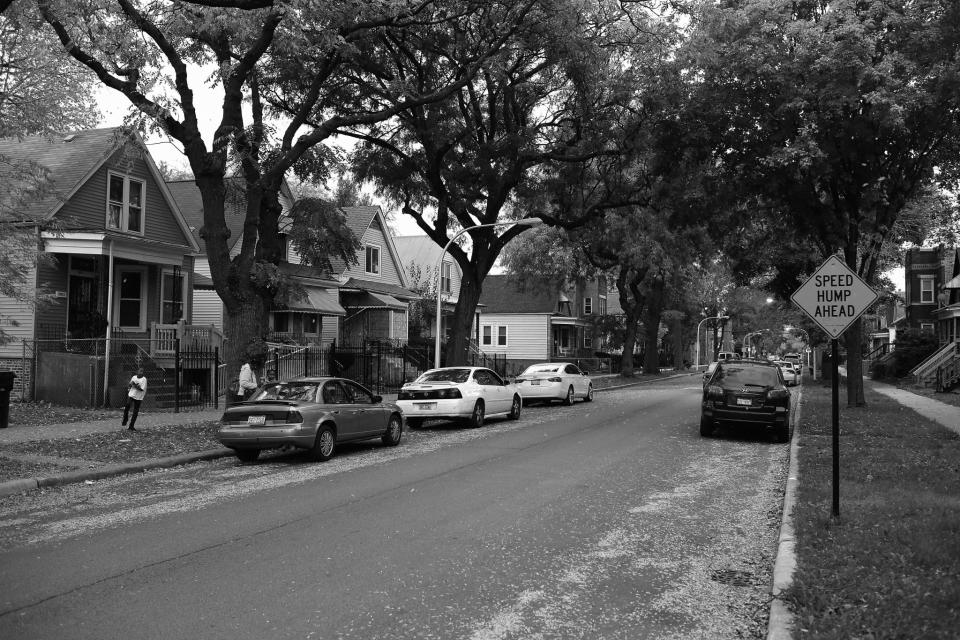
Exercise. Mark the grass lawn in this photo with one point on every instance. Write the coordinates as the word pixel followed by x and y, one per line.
pixel 889 566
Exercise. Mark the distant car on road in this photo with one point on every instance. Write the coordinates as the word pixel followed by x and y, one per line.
pixel 460 393
pixel 791 377
pixel 314 414
pixel 549 381
pixel 747 392
pixel 724 356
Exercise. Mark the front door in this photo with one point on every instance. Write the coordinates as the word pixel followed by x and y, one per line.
pixel 84 319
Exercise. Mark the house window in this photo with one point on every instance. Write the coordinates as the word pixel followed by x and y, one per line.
pixel 131 298
pixel 172 294
pixel 587 306
pixel 926 289
pixel 445 277
pixel 372 264
pixel 926 327
pixel 587 341
pixel 486 335
pixel 125 197
pixel 281 322
pixel 603 305
pixel 311 324
pixel 501 336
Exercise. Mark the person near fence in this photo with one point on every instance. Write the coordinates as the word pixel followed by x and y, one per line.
pixel 136 392
pixel 247 383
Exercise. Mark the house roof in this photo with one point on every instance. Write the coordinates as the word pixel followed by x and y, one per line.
pixel 359 220
pixel 68 159
pixel 501 294
pixel 187 195
pixel 356 284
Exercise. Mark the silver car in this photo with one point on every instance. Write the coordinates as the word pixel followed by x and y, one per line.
pixel 308 413
pixel 547 381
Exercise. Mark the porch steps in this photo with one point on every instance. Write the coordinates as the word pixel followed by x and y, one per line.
pixel 925 373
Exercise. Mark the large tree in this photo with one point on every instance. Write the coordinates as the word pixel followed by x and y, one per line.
pixel 839 113
pixel 297 60
pixel 459 164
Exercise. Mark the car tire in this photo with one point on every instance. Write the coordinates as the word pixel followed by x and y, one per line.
pixel 515 408
pixel 247 455
pixel 394 431
pixel 589 396
pixel 781 431
pixel 414 423
pixel 706 426
pixel 324 445
pixel 568 400
pixel 475 420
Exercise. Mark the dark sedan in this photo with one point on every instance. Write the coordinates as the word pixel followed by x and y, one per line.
pixel 749 393
pixel 309 413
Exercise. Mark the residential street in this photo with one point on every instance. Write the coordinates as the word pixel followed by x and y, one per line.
pixel 611 519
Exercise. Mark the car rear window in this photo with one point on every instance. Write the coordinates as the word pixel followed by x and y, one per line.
pixel 542 369
pixel 445 375
pixel 739 374
pixel 304 392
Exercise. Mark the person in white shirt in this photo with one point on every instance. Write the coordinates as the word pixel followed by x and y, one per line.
pixel 137 391
pixel 248 382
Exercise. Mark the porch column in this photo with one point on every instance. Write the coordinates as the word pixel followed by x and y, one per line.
pixel 106 360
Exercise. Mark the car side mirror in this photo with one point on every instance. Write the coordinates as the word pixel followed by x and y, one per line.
pixel 377 399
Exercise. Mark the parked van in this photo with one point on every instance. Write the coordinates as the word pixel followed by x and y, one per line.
pixel 725 356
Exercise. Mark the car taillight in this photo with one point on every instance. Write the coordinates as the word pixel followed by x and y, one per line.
pixel 778 394
pixel 405 395
pixel 714 391
pixel 294 416
pixel 555 379
pixel 449 393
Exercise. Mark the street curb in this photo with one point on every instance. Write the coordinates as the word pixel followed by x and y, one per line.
pixel 780 622
pixel 13 487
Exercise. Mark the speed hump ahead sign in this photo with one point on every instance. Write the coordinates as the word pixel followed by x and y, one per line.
pixel 834 296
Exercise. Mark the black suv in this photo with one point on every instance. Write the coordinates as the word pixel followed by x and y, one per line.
pixel 747 391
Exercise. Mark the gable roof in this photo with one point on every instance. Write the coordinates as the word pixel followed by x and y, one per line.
pixel 359 220
pixel 70 160
pixel 187 194
pixel 501 294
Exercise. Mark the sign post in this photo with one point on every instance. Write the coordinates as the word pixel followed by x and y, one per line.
pixel 834 297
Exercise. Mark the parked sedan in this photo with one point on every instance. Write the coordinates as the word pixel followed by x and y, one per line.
pixel 548 381
pixel 747 392
pixel 308 413
pixel 791 376
pixel 460 393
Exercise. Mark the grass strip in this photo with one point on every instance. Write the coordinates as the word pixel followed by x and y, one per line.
pixel 889 566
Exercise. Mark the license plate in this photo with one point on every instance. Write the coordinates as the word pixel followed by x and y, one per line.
pixel 256 419
pixel 426 406
pixel 534 383
pixel 744 401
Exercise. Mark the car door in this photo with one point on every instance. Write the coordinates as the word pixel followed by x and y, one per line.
pixel 575 377
pixel 492 389
pixel 341 407
pixel 371 416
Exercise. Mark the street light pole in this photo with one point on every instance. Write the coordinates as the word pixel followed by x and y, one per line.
pixel 525 222
pixel 697 366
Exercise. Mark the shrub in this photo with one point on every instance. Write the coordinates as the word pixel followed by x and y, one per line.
pixel 913 347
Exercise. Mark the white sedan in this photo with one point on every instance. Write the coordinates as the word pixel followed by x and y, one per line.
pixel 791 377
pixel 555 381
pixel 459 393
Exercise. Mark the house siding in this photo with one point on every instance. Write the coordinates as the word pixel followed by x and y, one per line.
pixel 52 317
pixel 527 335
pixel 207 308
pixel 87 209
pixel 388 265
pixel 14 311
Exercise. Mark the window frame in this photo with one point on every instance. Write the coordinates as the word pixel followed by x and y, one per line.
pixel 502 336
pixel 367 262
pixel 926 327
pixel 486 335
pixel 588 306
pixel 123 224
pixel 924 280
pixel 446 277
pixel 142 270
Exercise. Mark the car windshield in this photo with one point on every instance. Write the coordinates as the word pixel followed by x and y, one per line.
pixel 744 375
pixel 541 369
pixel 445 375
pixel 302 391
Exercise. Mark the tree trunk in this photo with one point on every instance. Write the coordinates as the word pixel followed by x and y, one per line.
pixel 651 321
pixel 245 328
pixel 629 342
pixel 457 350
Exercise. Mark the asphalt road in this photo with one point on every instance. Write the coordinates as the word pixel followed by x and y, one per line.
pixel 611 519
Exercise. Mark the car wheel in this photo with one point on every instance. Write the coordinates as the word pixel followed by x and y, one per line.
pixel 394 431
pixel 781 431
pixel 589 397
pixel 324 444
pixel 515 408
pixel 414 423
pixel 706 426
pixel 476 418
pixel 569 399
pixel 247 455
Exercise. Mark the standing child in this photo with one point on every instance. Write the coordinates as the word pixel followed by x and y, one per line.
pixel 137 390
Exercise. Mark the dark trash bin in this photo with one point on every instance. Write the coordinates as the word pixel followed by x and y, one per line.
pixel 6 386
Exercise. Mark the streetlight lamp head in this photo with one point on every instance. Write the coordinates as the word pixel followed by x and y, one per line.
pixel 529 222
pixel 769 300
